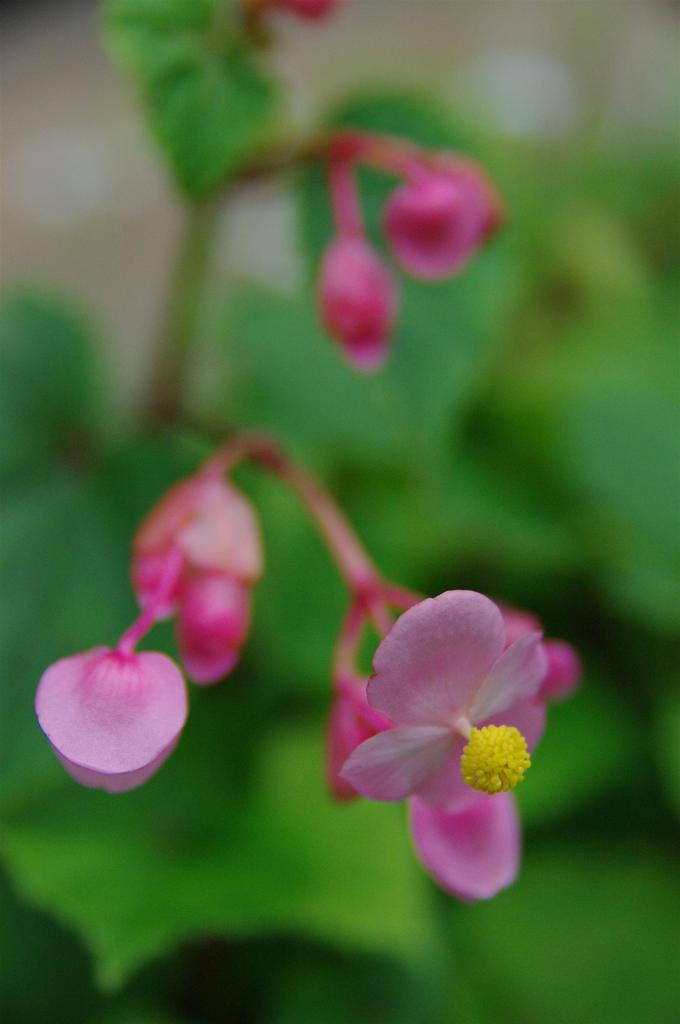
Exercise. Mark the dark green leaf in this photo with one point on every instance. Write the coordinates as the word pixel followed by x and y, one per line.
pixel 208 103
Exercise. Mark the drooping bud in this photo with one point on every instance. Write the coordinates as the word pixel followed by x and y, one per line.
pixel 564 670
pixel 358 300
pixel 212 624
pixel 311 10
pixel 352 720
pixel 213 525
pixel 436 222
pixel 112 717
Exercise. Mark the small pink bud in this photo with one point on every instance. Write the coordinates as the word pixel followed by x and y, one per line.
pixel 213 621
pixel 309 9
pixel 112 718
pixel 564 670
pixel 358 301
pixel 436 222
pixel 352 720
pixel 213 525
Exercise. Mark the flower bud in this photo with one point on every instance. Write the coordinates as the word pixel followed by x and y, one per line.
pixel 358 301
pixel 213 525
pixel 564 670
pixel 213 622
pixel 436 222
pixel 112 718
pixel 352 720
pixel 309 9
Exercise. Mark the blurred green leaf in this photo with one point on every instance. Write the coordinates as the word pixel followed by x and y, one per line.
pixel 208 103
pixel 585 753
pixel 185 855
pixel 586 934
pixel 49 384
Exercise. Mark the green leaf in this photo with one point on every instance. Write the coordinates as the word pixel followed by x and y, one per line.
pixel 48 382
pixel 208 103
pixel 586 934
pixel 193 852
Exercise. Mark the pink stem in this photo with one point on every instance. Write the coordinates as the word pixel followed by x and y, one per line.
pixel 351 558
pixel 141 626
pixel 344 197
pixel 344 659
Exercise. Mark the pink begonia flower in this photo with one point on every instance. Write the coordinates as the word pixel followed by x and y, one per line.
pixel 214 526
pixel 213 621
pixel 564 670
pixel 112 717
pixel 437 221
pixel 358 301
pixel 443 676
pixel 309 9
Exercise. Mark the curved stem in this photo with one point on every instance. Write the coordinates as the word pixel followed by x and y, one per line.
pixel 344 197
pixel 353 561
pixel 141 626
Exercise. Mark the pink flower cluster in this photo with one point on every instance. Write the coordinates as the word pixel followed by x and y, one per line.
pixel 113 715
pixel 456 701
pixel 448 666
pixel 434 223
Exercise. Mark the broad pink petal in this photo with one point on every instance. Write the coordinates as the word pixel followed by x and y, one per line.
pixel 514 678
pixel 474 854
pixel 435 657
pixel 119 783
pixel 112 713
pixel 395 763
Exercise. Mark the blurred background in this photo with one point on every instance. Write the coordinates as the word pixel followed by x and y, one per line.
pixel 528 418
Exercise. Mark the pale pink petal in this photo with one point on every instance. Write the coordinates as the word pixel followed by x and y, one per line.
pixel 518 623
pixel 223 534
pixel 393 764
pixel 119 783
pixel 112 713
pixel 445 789
pixel 514 678
pixel 435 657
pixel 474 854
pixel 529 717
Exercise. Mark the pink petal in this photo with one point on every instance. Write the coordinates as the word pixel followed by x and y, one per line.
pixel 393 764
pixel 224 534
pixel 435 656
pixel 112 713
pixel 445 790
pixel 120 783
pixel 347 729
pixel 474 854
pixel 529 717
pixel 514 678
pixel 213 622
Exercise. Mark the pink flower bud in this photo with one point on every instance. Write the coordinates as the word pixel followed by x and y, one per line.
pixel 112 718
pixel 358 301
pixel 436 222
pixel 213 525
pixel 309 9
pixel 213 621
pixel 564 670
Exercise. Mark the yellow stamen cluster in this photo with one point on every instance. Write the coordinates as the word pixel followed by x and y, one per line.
pixel 495 758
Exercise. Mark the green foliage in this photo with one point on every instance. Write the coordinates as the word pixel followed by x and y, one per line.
pixel 48 379
pixel 208 103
